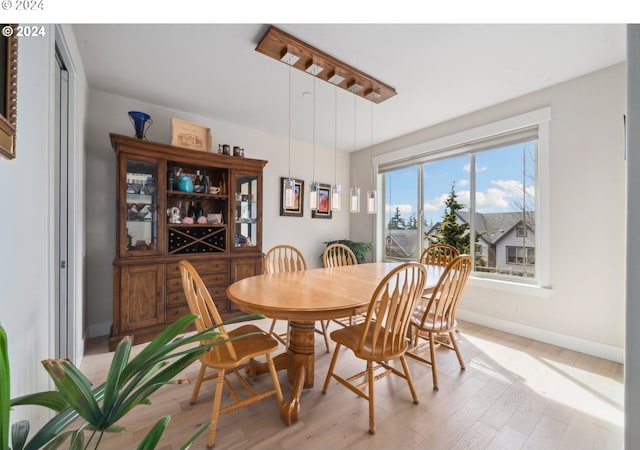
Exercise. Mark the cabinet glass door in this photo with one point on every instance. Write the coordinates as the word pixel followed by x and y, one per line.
pixel 246 211
pixel 141 217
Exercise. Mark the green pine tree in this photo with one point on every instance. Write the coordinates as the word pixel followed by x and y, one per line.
pixel 413 222
pixel 451 232
pixel 396 222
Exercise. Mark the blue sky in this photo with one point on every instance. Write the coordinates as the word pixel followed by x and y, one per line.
pixel 499 179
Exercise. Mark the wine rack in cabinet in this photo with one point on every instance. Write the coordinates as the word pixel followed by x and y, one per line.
pixel 173 204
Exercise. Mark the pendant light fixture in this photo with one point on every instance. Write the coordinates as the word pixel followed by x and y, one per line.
pixel 354 192
pixel 372 200
pixel 289 184
pixel 336 190
pixel 314 191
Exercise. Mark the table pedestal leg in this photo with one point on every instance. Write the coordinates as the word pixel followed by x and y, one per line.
pixel 300 367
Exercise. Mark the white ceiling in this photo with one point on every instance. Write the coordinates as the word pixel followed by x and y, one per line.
pixel 440 71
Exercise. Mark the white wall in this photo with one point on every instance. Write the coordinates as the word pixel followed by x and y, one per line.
pixel 27 225
pixel 585 307
pixel 108 113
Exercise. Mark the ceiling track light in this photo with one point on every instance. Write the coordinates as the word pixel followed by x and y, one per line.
pixel 335 78
pixel 282 46
pixel 314 69
pixel 371 94
pixel 288 57
pixel 354 87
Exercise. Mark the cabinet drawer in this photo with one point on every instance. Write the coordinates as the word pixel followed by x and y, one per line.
pixel 201 266
pixel 178 298
pixel 174 284
pixel 175 312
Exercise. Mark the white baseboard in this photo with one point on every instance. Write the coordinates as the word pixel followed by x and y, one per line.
pixel 99 329
pixel 550 337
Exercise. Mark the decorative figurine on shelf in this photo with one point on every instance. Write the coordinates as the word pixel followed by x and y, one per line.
pixel 141 123
pixel 174 215
pixel 214 219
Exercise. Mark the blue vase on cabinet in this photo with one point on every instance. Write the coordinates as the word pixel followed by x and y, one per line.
pixel 185 184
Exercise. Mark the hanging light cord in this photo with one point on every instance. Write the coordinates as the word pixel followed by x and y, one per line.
pixel 289 122
pixel 354 138
pixel 371 145
pixel 314 128
pixel 335 136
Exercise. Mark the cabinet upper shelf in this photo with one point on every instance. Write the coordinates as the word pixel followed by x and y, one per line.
pixel 168 152
pixel 197 195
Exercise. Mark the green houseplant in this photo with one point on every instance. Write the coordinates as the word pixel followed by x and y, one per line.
pixel 360 249
pixel 129 383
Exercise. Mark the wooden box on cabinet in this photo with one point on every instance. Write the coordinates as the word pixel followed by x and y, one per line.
pixel 150 243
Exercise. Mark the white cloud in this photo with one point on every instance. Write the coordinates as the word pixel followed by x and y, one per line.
pixel 467 168
pixel 513 188
pixel 502 196
pixel 491 199
pixel 404 209
pixel 435 204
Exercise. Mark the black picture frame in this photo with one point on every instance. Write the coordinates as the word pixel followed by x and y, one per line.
pixel 298 208
pixel 324 210
pixel 9 90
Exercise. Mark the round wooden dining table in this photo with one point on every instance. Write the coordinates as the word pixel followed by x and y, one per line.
pixel 304 297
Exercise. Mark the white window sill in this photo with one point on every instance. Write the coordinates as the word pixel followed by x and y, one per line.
pixel 510 286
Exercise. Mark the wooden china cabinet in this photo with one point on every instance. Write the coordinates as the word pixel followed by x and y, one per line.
pixel 224 242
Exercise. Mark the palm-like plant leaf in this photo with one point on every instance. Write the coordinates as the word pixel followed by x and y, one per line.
pixel 76 388
pixel 153 436
pixel 5 389
pixel 114 378
pixel 59 440
pixel 128 384
pixel 49 399
pixel 19 433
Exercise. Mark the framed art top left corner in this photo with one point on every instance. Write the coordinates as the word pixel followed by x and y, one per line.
pixel 8 90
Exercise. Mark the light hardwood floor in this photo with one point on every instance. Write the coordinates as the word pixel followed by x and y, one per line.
pixel 516 393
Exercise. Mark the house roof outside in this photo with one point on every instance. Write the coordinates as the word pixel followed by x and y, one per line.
pixel 494 226
pixel 404 242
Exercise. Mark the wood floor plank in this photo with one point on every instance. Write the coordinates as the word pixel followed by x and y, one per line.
pixel 515 393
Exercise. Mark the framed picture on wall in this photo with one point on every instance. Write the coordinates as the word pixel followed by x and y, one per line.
pixel 297 209
pixel 8 90
pixel 324 203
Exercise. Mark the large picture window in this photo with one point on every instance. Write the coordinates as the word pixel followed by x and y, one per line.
pixel 479 195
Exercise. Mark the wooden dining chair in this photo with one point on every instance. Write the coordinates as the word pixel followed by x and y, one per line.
pixel 434 320
pixel 336 255
pixel 242 344
pixel 439 254
pixel 382 337
pixel 286 258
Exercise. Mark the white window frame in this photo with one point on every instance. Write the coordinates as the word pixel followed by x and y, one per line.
pixel 437 149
